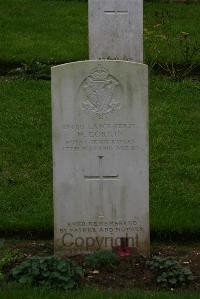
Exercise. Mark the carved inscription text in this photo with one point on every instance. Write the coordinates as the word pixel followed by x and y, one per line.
pixel 108 137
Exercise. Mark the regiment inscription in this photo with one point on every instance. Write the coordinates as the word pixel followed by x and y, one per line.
pixel 96 137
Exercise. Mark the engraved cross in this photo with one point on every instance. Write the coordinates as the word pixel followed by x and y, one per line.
pixel 116 12
pixel 100 175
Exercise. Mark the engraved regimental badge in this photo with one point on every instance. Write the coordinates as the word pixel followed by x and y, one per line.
pixel 100 93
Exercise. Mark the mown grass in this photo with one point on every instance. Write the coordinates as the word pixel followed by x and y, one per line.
pixel 174 155
pixel 11 292
pixel 57 31
pixel 26 161
pixel 170 30
pixel 26 180
pixel 47 31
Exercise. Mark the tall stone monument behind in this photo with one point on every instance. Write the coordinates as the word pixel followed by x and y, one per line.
pixel 100 152
pixel 116 29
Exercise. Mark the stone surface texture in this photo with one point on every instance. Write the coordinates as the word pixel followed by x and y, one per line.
pixel 100 156
pixel 116 29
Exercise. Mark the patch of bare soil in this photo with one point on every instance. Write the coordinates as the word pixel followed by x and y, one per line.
pixel 131 272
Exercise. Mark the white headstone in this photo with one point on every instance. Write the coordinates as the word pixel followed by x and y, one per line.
pixel 100 156
pixel 116 29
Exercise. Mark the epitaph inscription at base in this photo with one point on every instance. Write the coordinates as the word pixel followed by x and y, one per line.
pixel 100 155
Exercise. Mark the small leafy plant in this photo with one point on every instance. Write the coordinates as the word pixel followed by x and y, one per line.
pixel 188 50
pixel 36 70
pixel 49 271
pixel 1 277
pixel 182 42
pixel 7 257
pixel 169 271
pixel 102 259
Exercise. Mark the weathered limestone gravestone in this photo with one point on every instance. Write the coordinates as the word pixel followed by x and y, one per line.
pixel 100 137
pixel 116 29
pixel 100 153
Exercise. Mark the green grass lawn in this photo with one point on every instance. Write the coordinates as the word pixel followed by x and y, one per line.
pixel 26 168
pixel 11 292
pixel 26 161
pixel 56 31
pixel 174 155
